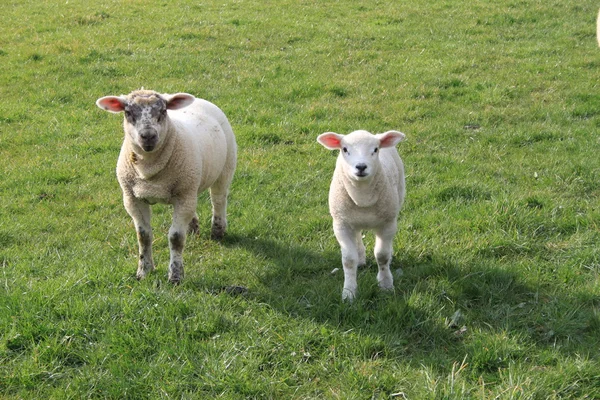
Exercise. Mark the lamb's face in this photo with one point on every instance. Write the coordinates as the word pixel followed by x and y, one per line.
pixel 145 117
pixel 360 155
pixel 359 151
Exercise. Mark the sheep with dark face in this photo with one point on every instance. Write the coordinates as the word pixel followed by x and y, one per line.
pixel 175 147
pixel 366 193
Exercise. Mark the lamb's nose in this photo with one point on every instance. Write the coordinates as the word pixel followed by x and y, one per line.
pixel 361 167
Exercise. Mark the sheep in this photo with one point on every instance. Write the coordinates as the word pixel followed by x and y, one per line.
pixel 598 29
pixel 366 193
pixel 175 147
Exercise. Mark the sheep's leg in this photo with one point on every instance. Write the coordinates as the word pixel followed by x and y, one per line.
pixel 346 237
pixel 194 226
pixel 141 214
pixel 218 198
pixel 384 239
pixel 362 252
pixel 183 215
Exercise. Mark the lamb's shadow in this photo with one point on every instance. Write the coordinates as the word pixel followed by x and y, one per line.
pixel 470 298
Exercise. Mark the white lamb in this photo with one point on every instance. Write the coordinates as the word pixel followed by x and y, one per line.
pixel 367 192
pixel 175 147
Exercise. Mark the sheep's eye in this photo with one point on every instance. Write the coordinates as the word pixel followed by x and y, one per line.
pixel 345 150
pixel 376 150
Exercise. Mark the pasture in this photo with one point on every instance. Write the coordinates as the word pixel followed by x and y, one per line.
pixel 497 257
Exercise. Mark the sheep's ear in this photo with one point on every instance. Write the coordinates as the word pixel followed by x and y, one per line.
pixel 112 104
pixel 330 140
pixel 179 100
pixel 390 138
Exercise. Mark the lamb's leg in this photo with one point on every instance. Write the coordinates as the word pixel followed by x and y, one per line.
pixel 362 252
pixel 218 198
pixel 183 215
pixel 346 237
pixel 141 214
pixel 384 239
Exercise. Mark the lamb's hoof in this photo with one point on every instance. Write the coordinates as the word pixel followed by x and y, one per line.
pixel 348 295
pixel 175 273
pixel 194 226
pixel 387 286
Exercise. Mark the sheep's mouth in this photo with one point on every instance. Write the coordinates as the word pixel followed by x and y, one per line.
pixel 361 174
pixel 148 147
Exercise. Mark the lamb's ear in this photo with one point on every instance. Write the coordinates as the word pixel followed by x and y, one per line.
pixel 179 100
pixel 390 138
pixel 112 104
pixel 330 140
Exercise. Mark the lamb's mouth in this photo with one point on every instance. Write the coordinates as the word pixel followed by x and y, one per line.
pixel 148 147
pixel 361 174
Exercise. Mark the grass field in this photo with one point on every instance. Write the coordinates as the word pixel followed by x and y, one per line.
pixel 499 295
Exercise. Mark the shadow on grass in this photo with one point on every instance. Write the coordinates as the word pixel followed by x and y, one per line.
pixel 440 311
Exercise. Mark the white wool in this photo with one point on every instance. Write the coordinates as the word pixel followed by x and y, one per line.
pixel 190 149
pixel 366 193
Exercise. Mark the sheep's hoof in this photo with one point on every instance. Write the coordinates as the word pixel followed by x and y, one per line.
pixel 175 272
pixel 217 232
pixel 143 270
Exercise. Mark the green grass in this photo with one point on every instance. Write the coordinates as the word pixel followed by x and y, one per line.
pixel 498 241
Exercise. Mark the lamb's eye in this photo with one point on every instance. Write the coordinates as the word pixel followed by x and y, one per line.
pixel 345 150
pixel 376 150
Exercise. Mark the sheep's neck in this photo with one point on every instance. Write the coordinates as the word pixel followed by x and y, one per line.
pixel 362 193
pixel 148 165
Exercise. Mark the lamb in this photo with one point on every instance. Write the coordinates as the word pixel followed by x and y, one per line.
pixel 366 193
pixel 175 147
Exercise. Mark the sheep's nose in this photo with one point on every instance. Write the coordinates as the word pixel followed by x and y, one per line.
pixel 361 167
pixel 147 134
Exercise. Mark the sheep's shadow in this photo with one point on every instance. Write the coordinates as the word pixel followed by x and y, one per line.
pixel 298 281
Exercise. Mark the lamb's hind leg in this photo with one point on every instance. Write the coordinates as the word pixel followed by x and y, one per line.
pixel 383 253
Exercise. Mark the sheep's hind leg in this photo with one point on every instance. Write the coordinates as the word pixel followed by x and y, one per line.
pixel 183 216
pixel 218 199
pixel 194 226
pixel 383 253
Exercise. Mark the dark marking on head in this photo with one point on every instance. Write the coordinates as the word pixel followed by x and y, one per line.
pixel 145 105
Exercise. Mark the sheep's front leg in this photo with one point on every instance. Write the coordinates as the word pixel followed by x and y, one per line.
pixel 384 239
pixel 346 237
pixel 141 214
pixel 183 215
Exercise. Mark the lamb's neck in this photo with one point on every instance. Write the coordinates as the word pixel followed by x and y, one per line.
pixel 363 193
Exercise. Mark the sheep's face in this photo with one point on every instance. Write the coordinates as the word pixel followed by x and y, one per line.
pixel 359 151
pixel 146 120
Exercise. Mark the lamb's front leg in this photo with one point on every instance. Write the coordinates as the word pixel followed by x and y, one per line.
pixel 141 214
pixel 183 214
pixel 346 237
pixel 384 239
